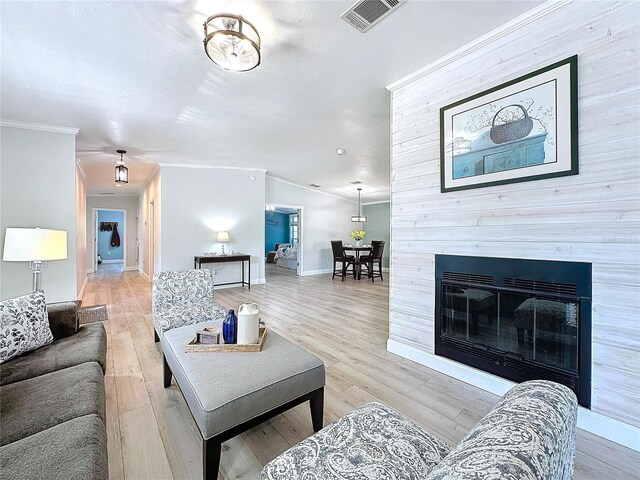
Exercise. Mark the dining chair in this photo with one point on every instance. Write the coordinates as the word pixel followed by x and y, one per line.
pixel 340 257
pixel 377 247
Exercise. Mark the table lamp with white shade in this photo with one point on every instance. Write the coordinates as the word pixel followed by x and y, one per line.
pixel 36 246
pixel 223 237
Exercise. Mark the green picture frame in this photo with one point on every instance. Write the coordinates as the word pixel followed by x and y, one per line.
pixel 522 130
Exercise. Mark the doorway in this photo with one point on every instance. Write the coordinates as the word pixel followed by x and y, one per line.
pixel 284 239
pixel 109 234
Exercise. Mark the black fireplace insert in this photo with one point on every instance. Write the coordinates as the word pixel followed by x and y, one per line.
pixel 517 318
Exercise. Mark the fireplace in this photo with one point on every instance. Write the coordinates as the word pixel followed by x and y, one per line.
pixel 516 318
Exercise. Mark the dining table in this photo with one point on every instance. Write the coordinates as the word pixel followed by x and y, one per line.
pixel 357 250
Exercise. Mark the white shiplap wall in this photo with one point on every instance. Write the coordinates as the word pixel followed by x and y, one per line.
pixel 591 217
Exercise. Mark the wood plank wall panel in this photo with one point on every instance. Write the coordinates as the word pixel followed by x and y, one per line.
pixel 592 217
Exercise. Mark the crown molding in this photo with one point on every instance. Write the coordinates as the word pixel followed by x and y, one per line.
pixel 152 175
pixel 376 203
pixel 39 126
pixel 480 42
pixel 315 190
pixel 217 167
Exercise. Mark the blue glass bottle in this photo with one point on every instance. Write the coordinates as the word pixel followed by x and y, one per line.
pixel 230 328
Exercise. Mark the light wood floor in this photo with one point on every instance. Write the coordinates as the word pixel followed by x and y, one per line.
pixel 152 435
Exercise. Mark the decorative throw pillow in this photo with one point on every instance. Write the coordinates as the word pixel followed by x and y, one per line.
pixel 24 325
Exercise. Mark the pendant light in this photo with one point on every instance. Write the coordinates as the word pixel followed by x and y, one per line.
pixel 122 172
pixel 231 42
pixel 359 218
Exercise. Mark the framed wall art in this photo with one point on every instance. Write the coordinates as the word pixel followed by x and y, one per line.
pixel 525 129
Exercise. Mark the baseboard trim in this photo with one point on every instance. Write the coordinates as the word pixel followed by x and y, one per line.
pixel 596 423
pixel 113 261
pixel 90 270
pixel 144 274
pixel 308 273
pixel 131 269
pixel 81 292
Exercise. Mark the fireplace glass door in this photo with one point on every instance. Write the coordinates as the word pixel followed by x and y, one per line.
pixel 534 327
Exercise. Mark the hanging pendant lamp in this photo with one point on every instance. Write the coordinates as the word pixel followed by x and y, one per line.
pixel 122 172
pixel 231 42
pixel 359 218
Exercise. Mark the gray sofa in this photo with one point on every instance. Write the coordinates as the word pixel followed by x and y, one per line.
pixel 52 404
pixel 528 435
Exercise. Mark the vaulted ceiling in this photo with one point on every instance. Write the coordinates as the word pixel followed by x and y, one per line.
pixel 134 75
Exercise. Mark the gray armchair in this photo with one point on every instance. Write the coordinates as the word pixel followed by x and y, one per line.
pixel 183 298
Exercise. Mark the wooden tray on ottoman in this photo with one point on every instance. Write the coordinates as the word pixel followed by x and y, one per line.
pixel 194 346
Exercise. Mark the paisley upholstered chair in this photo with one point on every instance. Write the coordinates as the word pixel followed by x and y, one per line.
pixel 183 298
pixel 529 435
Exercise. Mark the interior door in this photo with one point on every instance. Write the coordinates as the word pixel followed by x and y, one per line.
pixel 95 241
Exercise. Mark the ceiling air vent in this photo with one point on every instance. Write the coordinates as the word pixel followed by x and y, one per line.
pixel 355 182
pixel 366 13
pixel 314 185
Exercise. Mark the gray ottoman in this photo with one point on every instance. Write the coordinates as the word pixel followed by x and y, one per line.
pixel 228 393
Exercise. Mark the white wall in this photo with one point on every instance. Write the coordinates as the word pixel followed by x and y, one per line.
pixel 197 203
pixel 81 226
pixel 129 203
pixel 324 218
pixel 590 217
pixel 150 262
pixel 38 188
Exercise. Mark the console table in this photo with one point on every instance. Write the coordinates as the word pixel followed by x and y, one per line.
pixel 198 260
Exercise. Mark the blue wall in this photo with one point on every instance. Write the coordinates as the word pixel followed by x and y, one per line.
pixel 276 230
pixel 106 251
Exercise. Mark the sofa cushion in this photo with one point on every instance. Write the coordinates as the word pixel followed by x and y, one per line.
pixel 89 344
pixel 39 403
pixel 372 442
pixel 63 318
pixel 24 325
pixel 180 315
pixel 73 450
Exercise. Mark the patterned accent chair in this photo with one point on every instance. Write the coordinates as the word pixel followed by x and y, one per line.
pixel 528 435
pixel 183 298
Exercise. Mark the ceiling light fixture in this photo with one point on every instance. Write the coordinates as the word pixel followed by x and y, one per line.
pixel 340 151
pixel 231 42
pixel 359 218
pixel 122 172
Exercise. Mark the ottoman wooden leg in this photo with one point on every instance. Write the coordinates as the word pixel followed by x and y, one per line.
pixel 167 372
pixel 316 402
pixel 211 450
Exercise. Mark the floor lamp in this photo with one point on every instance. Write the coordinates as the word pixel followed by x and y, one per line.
pixel 36 246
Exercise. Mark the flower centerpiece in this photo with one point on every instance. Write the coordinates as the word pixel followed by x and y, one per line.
pixel 358 235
